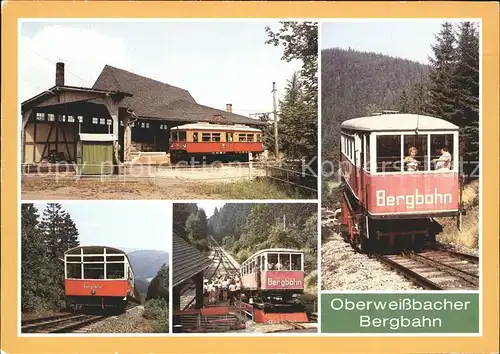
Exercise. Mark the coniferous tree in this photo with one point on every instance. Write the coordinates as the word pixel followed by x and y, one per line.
pixel 466 91
pixel 181 212
pixel 441 95
pixel 159 285
pixel 300 42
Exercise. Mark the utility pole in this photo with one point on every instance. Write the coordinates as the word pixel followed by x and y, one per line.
pixel 276 149
pixel 284 222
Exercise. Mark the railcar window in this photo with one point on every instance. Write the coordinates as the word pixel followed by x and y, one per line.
pixel 93 258
pixel 73 270
pixel 229 137
pixel 415 153
pixel 259 138
pixel 215 136
pixel 182 136
pixel 250 137
pixel 242 137
pixel 272 260
pixel 205 137
pixel 195 137
pixel 73 258
pixel 441 152
pixel 115 271
pixel 296 262
pixel 389 153
pixel 175 136
pixel 93 271
pixel 115 258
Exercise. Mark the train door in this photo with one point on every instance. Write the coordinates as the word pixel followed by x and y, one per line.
pixel 258 264
pixel 229 146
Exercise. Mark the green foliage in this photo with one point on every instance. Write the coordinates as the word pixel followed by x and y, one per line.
pixel 159 285
pixel 181 212
pixel 252 227
pixel 454 93
pixel 356 84
pixel 298 118
pixel 42 247
pixel 157 311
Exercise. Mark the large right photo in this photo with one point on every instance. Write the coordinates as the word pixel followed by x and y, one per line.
pixel 400 155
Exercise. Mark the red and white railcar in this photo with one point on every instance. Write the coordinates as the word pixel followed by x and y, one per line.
pixel 98 276
pixel 274 271
pixel 198 140
pixel 398 171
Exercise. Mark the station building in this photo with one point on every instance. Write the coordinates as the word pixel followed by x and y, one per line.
pixel 137 111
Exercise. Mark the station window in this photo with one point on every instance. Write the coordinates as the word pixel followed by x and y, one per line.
pixel 71 119
pixel 121 123
pixel 51 117
pixel 115 270
pixel 61 118
pixel 215 136
pixel 80 119
pixel 95 120
pixel 93 271
pixel 147 125
pixel 182 136
pixel 40 116
pixel 161 126
pixel 102 121
pixel 74 270
pixel 389 153
pixel 142 125
pixel 205 137
pixel 442 146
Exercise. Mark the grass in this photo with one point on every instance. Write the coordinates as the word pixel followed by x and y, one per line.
pixel 256 189
pixel 469 235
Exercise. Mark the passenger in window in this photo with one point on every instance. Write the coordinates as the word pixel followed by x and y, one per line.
pixel 270 266
pixel 410 161
pixel 279 266
pixel 444 161
pixel 195 137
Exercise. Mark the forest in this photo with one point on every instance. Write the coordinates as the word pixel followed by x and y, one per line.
pixel 356 83
pixel 243 229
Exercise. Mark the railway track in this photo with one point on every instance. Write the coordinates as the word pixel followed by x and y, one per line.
pixel 59 324
pixel 222 263
pixel 436 269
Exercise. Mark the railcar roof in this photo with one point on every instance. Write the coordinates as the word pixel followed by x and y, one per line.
pixel 209 126
pixel 398 122
pixel 275 250
pixel 96 250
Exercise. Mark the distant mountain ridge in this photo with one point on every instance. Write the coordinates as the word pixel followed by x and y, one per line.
pixel 146 263
pixel 356 83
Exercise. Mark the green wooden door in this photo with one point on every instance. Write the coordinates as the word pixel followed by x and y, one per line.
pixel 97 158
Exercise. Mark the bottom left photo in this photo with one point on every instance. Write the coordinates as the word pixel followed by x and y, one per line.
pixel 95 267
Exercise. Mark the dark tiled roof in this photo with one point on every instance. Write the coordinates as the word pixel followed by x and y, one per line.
pixel 187 260
pixel 157 100
pixel 185 111
pixel 148 94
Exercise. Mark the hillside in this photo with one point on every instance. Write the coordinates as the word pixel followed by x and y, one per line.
pixel 359 83
pixel 146 263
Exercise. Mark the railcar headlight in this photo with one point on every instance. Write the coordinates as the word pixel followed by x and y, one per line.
pixel 92 291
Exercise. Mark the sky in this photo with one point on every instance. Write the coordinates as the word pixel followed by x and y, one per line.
pixel 209 206
pixel 127 225
pixel 410 40
pixel 217 62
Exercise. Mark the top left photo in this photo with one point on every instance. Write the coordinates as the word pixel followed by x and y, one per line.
pixel 177 110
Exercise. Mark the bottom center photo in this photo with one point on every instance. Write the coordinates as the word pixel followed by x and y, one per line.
pixel 244 267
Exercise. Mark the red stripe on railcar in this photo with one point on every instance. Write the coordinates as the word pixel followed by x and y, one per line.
pixel 404 192
pixel 282 280
pixel 76 287
pixel 223 147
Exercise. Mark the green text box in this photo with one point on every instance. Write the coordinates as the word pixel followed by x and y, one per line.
pixel 400 313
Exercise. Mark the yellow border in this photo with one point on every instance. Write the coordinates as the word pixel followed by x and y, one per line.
pixel 490 90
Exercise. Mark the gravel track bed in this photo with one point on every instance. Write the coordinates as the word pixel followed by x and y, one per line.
pixel 344 269
pixel 128 322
